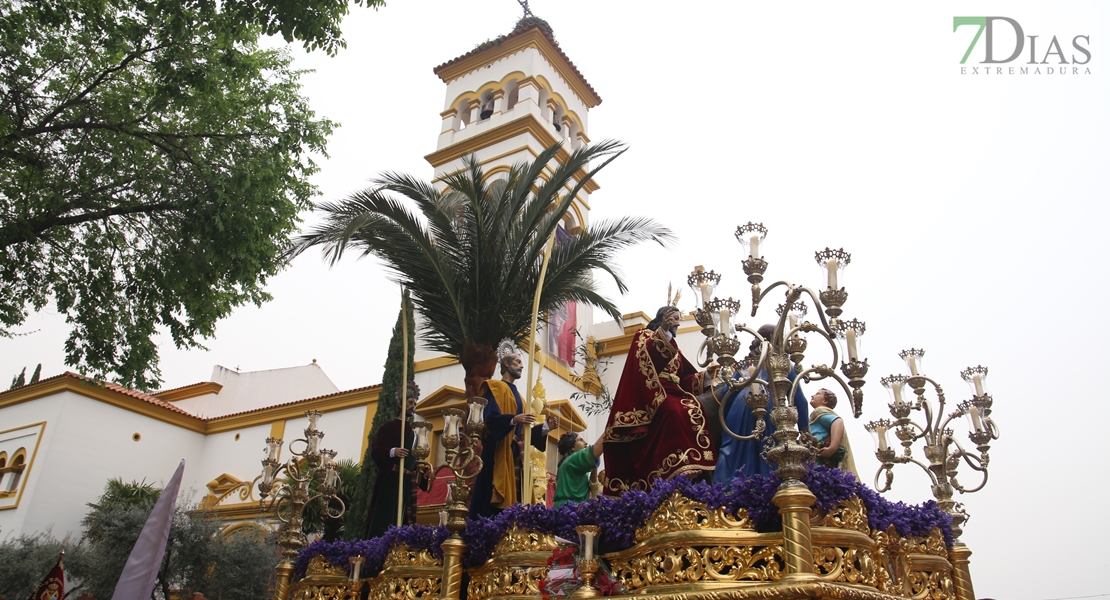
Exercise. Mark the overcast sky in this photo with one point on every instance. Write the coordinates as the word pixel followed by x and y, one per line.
pixel 974 207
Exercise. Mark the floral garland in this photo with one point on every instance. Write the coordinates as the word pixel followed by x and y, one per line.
pixel 620 517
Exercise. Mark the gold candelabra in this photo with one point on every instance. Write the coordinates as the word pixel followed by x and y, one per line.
pixel 781 354
pixel 779 359
pixel 463 454
pixel 943 451
pixel 289 501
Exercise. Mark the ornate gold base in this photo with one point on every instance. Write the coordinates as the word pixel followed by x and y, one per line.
pixel 689 552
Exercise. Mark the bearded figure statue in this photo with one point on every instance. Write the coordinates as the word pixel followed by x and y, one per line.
pixel 656 427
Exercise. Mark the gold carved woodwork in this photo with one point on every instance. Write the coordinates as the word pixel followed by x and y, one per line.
pixel 679 513
pixel 524 540
pixel 505 580
pixel 407 573
pixel 325 581
pixel 686 550
pixel 320 566
pixel 517 565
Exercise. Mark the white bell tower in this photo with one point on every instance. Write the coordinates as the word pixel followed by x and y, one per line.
pixel 509 99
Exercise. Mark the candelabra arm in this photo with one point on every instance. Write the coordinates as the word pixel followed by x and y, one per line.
pixel 884 487
pixel 704 348
pixel 820 310
pixel 962 489
pixel 328 510
pixel 825 373
pixel 757 430
pixel 757 301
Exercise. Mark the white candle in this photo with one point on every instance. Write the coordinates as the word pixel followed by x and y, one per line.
pixel 832 265
pixel 978 380
pixel 976 420
pixel 882 437
pixel 442 517
pixel 793 321
pixel 725 325
pixel 451 425
pixel 897 387
pixel 704 293
pixel 588 551
pixel 754 246
pixel 851 337
pixel 913 364
pixel 267 473
pixel 274 447
pixel 756 388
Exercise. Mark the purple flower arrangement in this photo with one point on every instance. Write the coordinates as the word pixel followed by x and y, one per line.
pixel 339 552
pixel 620 517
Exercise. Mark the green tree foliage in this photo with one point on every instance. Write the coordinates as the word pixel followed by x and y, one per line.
pixel 473 261
pixel 21 379
pixel 153 160
pixel 389 408
pixel 314 517
pixel 25 561
pixel 197 559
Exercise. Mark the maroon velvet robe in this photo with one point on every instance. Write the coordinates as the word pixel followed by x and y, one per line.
pixel 656 428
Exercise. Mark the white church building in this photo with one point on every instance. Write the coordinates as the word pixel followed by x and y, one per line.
pixel 62 438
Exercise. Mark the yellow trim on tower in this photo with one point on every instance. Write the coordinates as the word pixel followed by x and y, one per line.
pixel 591 185
pixel 527 124
pixel 530 39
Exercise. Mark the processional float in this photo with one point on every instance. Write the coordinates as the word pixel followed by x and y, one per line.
pixel 692 546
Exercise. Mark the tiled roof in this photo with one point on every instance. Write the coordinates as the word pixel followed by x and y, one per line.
pixel 119 389
pixel 161 392
pixel 514 34
pixel 293 402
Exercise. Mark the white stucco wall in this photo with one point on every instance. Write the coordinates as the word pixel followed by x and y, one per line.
pixel 241 458
pixel 87 442
pixel 258 389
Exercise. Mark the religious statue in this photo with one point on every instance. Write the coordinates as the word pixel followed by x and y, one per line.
pixel 656 427
pixel 498 485
pixel 390 453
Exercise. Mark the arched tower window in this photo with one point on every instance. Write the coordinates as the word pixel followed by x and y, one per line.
pixel 463 118
pixel 485 103
pixel 512 95
pixel 557 118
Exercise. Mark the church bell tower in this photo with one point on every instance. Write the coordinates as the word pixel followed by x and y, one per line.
pixel 511 98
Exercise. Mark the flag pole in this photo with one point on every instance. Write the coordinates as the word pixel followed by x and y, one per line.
pixel 526 466
pixel 404 402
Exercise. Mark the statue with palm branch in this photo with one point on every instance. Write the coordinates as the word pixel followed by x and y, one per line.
pixel 497 486
pixel 471 253
pixel 390 453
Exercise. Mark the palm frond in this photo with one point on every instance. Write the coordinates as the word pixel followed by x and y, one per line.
pixel 471 253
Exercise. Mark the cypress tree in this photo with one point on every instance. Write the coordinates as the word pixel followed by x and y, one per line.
pixel 389 407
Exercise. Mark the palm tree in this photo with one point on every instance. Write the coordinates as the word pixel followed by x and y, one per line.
pixel 472 263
